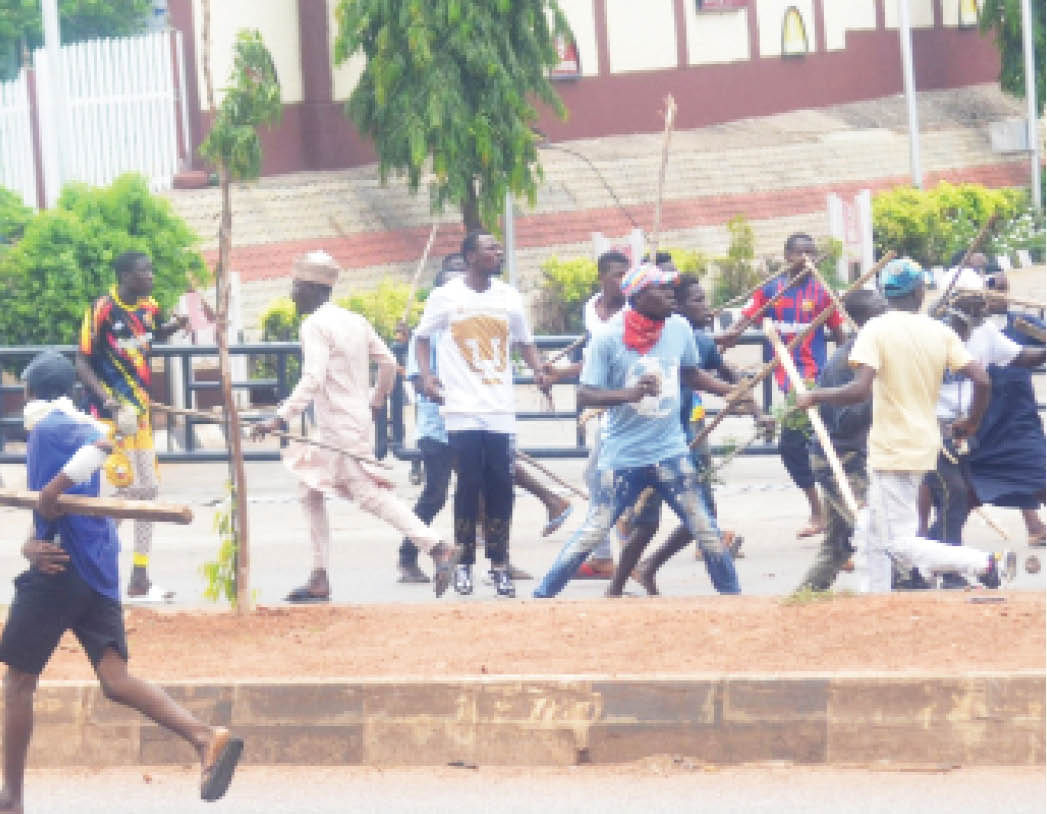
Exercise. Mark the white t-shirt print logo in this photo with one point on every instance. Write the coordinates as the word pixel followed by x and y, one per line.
pixel 483 342
pixel 655 406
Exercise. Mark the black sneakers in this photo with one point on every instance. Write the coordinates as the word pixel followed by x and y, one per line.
pixel 503 583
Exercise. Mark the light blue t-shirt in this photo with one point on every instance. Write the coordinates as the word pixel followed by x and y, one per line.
pixel 648 431
pixel 428 421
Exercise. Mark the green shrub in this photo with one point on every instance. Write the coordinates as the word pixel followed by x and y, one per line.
pixel 736 273
pixel 384 306
pixel 562 292
pixel 63 260
pixel 931 226
pixel 14 215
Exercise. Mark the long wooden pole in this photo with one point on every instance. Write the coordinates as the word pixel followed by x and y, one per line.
pixel 832 294
pixel 289 436
pixel 978 238
pixel 741 298
pixel 550 474
pixel 670 118
pixel 418 271
pixel 742 390
pixel 786 358
pixel 103 507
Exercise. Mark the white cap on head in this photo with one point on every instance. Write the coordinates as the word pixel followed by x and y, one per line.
pixel 968 280
pixel 316 267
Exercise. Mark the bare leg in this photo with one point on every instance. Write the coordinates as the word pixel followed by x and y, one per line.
pixel 555 505
pixel 815 502
pixel 677 541
pixel 639 539
pixel 19 689
pixel 119 686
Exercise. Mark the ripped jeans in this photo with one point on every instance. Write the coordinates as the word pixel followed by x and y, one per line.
pixel 676 481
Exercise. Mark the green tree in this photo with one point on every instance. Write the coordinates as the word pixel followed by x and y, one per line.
pixel 63 258
pixel 1004 19
pixel 20 24
pixel 452 81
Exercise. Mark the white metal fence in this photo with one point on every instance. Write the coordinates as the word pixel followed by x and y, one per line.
pixel 16 139
pixel 113 106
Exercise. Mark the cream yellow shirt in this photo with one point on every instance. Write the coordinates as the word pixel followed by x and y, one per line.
pixel 910 354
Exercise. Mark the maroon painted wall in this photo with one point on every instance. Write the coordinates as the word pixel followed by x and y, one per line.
pixel 315 135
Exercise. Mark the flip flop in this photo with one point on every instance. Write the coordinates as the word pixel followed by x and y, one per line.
pixel 301 596
pixel 220 762
pixel 557 521
pixel 810 530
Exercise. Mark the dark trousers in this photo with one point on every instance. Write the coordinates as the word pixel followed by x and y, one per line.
pixel 792 446
pixel 485 466
pixel 438 463
pixel 948 485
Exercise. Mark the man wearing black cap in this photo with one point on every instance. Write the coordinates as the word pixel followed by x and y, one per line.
pixel 900 358
pixel 73 584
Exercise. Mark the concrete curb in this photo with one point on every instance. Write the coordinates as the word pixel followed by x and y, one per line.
pixel 901 719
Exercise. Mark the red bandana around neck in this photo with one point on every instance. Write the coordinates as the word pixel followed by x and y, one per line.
pixel 641 333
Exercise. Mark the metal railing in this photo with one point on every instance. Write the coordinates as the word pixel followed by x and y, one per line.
pixel 179 374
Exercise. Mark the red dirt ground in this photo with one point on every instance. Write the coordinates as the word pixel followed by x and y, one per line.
pixel 943 632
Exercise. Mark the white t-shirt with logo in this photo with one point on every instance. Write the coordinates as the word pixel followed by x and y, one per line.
pixel 988 345
pixel 477 329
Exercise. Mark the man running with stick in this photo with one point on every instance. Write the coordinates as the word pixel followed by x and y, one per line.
pixel 634 368
pixel 337 349
pixel 73 584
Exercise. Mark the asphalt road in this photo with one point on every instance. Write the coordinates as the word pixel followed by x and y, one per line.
pixel 656 786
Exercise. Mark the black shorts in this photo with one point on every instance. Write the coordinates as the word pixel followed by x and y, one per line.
pixel 46 606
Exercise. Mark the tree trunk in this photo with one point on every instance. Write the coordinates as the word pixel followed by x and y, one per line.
pixel 232 416
pixel 471 209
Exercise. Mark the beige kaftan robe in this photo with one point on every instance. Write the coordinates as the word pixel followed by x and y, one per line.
pixel 337 347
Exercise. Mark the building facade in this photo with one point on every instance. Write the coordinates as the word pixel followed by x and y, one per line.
pixel 721 59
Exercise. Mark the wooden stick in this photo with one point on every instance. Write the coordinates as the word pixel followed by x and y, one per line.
pixel 556 357
pixel 984 515
pixel 745 322
pixel 103 507
pixel 670 117
pixel 741 298
pixel 786 358
pixel 978 238
pixel 746 385
pixel 523 456
pixel 743 388
pixel 289 436
pixel 832 295
pixel 418 271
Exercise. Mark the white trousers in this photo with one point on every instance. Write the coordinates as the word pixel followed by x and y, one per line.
pixel 369 496
pixel 886 530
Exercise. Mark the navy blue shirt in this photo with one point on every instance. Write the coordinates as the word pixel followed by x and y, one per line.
pixel 91 542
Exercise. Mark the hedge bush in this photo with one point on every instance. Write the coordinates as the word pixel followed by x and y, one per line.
pixel 932 225
pixel 63 259
pixel 567 284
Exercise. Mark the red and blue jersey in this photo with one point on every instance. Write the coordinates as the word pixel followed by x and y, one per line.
pixel 798 306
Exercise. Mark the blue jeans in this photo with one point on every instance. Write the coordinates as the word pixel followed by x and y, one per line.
pixel 676 481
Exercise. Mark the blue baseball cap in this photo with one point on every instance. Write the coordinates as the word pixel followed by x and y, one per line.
pixel 900 277
pixel 49 376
